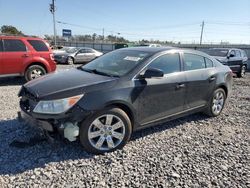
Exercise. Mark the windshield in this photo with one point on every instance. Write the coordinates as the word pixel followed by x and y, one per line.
pixel 218 52
pixel 117 63
pixel 71 50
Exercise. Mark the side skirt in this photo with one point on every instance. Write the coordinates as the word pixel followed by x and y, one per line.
pixel 170 117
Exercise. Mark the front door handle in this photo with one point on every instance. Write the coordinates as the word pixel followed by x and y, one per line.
pixel 179 86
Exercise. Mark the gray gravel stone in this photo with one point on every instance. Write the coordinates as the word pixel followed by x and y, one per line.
pixel 193 151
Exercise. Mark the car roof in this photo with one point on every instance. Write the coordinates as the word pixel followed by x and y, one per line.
pixel 154 50
pixel 150 49
pixel 224 49
pixel 20 37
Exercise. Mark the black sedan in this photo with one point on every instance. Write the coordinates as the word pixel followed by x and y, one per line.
pixel 104 101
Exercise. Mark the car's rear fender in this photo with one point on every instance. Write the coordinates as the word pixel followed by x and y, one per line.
pixel 37 61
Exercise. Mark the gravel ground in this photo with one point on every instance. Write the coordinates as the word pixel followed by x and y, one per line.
pixel 194 151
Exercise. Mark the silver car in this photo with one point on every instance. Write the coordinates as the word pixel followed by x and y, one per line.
pixel 76 55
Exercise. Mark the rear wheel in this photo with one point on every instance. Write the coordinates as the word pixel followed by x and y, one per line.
pixel 242 71
pixel 105 131
pixel 216 103
pixel 34 71
pixel 70 60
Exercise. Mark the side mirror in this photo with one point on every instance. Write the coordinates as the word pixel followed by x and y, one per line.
pixel 152 72
pixel 231 55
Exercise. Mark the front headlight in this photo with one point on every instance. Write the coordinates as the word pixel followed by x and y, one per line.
pixel 56 106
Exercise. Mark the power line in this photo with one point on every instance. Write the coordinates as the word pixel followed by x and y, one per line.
pixel 76 25
pixel 228 23
pixel 168 33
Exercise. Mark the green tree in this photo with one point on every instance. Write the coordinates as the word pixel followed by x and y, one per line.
pixel 94 36
pixel 9 29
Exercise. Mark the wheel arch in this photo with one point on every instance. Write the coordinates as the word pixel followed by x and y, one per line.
pixel 128 110
pixel 222 86
pixel 70 56
pixel 36 63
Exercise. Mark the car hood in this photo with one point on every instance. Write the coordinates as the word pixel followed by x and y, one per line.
pixel 61 54
pixel 67 83
pixel 58 51
pixel 221 59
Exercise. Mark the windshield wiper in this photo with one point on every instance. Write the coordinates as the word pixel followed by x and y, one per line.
pixel 95 71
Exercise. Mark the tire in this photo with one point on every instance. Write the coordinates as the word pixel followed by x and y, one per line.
pixel 242 72
pixel 34 71
pixel 105 131
pixel 216 103
pixel 70 60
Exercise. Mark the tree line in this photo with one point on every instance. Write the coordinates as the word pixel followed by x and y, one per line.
pixel 9 29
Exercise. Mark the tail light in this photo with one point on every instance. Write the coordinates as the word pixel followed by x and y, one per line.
pixel 52 57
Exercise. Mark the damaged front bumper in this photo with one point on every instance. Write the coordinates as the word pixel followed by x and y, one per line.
pixel 67 124
pixel 28 119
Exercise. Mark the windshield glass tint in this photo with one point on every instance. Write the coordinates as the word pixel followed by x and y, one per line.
pixel 117 63
pixel 218 52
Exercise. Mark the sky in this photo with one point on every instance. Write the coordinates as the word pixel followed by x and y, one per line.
pixel 171 20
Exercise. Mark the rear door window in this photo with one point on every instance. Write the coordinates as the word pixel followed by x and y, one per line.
pixel 82 51
pixel 168 63
pixel 39 45
pixel 89 51
pixel 14 45
pixel 193 62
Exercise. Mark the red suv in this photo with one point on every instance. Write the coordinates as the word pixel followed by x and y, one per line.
pixel 25 56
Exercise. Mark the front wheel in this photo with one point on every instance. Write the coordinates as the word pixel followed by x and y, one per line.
pixel 70 60
pixel 242 71
pixel 216 103
pixel 34 71
pixel 105 131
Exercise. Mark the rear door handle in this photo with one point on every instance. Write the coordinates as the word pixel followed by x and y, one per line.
pixel 179 86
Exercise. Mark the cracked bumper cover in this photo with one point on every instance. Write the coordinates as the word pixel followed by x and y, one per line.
pixel 51 122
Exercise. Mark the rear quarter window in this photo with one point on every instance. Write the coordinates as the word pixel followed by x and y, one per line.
pixel 209 63
pixel 39 45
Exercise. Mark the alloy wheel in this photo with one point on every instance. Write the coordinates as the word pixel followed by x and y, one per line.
pixel 36 73
pixel 218 102
pixel 70 61
pixel 106 132
pixel 243 71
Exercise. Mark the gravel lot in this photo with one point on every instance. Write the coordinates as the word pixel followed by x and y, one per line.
pixel 194 151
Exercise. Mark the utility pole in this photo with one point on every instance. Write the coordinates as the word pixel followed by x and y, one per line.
pixel 202 28
pixel 103 37
pixel 52 10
